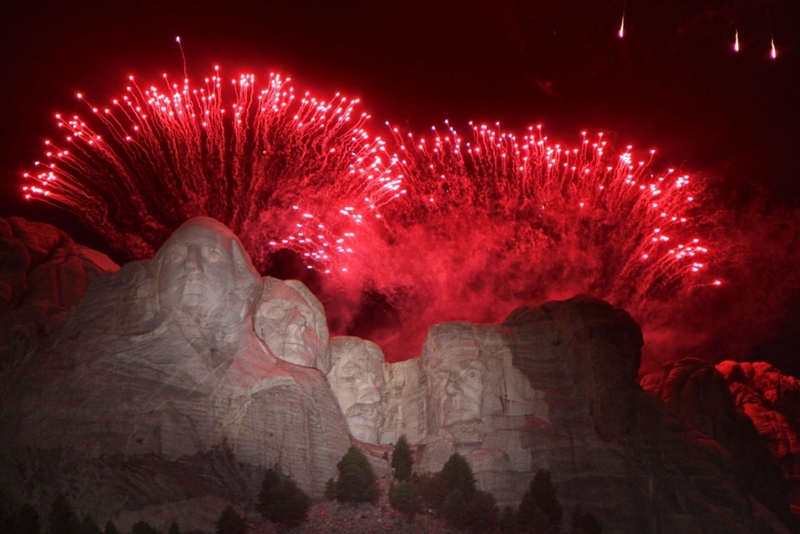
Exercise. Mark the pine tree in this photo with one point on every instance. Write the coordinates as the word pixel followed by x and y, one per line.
pixel 402 459
pixel 330 490
pixel 457 474
pixel 230 522
pixel 23 521
pixel 356 480
pixel 481 513
pixel 143 527
pixel 585 523
pixel 454 508
pixel 404 498
pixel 111 528
pixel 174 529
pixel 89 525
pixel 61 519
pixel 540 510
pixel 281 500
pixel 508 521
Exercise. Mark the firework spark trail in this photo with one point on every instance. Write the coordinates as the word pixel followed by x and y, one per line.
pixel 273 168
pixel 446 229
pixel 590 195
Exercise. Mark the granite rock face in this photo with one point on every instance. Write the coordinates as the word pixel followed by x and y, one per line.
pixel 700 395
pixel 611 447
pixel 43 273
pixel 161 358
pixel 772 402
pixel 173 383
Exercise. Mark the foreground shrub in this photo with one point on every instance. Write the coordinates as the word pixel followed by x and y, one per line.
pixel 356 479
pixel 281 500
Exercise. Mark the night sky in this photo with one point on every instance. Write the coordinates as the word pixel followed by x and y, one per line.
pixel 673 83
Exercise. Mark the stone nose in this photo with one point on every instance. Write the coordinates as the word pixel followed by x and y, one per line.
pixel 194 260
pixel 452 387
pixel 369 393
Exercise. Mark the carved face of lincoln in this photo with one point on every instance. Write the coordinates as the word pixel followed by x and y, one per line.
pixel 456 384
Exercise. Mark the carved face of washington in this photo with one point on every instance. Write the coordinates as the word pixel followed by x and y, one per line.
pixel 205 279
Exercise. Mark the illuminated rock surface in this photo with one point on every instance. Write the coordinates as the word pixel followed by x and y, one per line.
pixel 174 382
pixel 160 360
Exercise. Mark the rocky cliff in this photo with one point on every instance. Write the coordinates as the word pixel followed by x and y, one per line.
pixel 173 383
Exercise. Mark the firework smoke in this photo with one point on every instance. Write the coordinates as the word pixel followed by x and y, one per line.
pixel 415 231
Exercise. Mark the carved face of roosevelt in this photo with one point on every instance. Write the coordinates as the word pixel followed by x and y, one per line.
pixel 205 279
pixel 457 377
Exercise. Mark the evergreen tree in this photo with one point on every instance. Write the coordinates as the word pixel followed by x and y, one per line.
pixel 89 525
pixel 457 474
pixel 356 480
pixel 281 500
pixel 111 528
pixel 585 523
pixel 330 490
pixel 61 519
pixel 404 498
pixel 143 527
pixel 402 459
pixel 230 522
pixel 481 513
pixel 540 511
pixel 454 508
pixel 23 521
pixel 508 521
pixel 174 529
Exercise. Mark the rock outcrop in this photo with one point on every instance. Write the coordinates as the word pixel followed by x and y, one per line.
pixel 43 273
pixel 772 402
pixel 161 360
pixel 700 395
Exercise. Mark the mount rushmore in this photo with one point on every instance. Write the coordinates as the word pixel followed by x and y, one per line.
pixel 167 386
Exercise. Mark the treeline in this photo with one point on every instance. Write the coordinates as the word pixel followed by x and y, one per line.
pixel 450 494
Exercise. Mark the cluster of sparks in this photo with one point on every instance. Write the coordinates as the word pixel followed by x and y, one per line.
pixel 156 157
pixel 304 174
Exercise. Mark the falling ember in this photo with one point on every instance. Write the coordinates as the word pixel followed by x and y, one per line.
pixel 773 52
pixel 736 42
pixel 621 32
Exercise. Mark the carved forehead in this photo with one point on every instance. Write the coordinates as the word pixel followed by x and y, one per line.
pixel 202 231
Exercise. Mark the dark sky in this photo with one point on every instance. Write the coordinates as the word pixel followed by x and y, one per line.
pixel 673 83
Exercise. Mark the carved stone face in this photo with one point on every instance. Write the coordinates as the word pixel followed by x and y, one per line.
pixel 457 379
pixel 290 320
pixel 205 279
pixel 357 381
